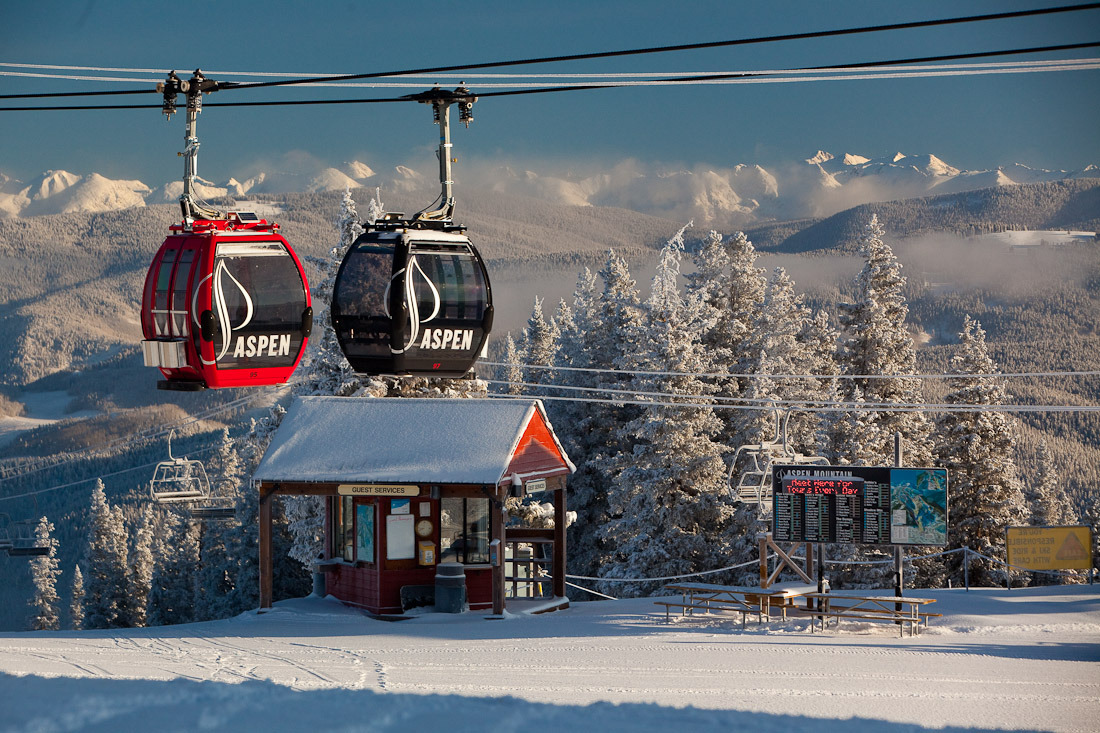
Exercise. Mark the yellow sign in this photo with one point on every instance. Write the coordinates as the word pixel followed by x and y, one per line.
pixel 1050 548
pixel 378 490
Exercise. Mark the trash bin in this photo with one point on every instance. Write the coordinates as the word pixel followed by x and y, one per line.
pixel 450 587
pixel 318 581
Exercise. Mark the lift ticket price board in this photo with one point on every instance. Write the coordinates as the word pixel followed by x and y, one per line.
pixel 869 505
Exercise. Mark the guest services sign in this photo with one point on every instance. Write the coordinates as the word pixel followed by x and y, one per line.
pixel 378 490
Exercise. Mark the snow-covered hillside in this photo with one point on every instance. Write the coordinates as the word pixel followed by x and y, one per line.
pixel 1021 659
pixel 735 195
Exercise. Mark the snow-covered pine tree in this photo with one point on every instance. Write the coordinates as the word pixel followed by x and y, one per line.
pixel 667 496
pixel 977 449
pixel 327 371
pixel 218 570
pixel 780 322
pixel 173 584
pixel 44 572
pixel 140 572
pixel 747 288
pixel 76 600
pixel 876 342
pixel 1050 507
pixel 512 371
pixel 540 341
pixel 605 322
pixel 105 601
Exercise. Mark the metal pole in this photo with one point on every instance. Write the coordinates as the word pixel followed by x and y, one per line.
pixel 899 551
pixel 445 157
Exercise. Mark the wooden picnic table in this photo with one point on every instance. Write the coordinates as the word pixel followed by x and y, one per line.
pixel 903 610
pixel 709 597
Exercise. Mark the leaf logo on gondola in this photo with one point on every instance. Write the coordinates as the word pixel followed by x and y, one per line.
pixel 407 274
pixel 220 309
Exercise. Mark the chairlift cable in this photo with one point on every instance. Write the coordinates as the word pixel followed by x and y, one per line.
pixel 827 406
pixel 730 375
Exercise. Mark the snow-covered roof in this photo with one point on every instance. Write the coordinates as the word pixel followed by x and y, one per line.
pixel 374 440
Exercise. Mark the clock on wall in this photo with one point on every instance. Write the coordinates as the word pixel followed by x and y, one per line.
pixel 424 528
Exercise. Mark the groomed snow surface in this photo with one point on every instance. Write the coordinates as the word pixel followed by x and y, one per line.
pixel 1022 659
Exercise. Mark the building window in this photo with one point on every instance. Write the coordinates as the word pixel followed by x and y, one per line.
pixel 343 528
pixel 464 531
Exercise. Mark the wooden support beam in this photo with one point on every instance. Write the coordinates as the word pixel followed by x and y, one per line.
pixel 266 578
pixel 762 545
pixel 559 544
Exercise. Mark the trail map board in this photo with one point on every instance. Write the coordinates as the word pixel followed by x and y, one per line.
pixel 867 505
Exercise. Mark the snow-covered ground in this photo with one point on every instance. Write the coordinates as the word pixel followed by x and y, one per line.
pixel 1021 659
pixel 1039 238
pixel 42 408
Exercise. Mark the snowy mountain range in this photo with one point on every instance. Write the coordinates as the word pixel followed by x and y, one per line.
pixel 820 185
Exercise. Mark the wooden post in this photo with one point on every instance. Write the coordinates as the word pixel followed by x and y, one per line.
pixel 559 543
pixel 762 541
pixel 266 580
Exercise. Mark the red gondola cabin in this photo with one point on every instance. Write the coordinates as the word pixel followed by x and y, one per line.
pixel 226 304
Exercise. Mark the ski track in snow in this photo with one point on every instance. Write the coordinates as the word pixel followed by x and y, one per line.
pixel 612 667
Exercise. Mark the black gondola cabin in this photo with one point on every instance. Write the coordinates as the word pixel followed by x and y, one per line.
pixel 411 301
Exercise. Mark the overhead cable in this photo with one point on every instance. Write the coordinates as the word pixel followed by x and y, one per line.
pixel 626 52
pixel 739 77
pixel 819 407
pixel 745 375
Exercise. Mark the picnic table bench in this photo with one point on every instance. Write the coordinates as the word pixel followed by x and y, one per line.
pixel 746 600
pixel 902 610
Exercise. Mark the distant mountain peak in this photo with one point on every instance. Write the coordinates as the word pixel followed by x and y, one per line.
pixel 820 157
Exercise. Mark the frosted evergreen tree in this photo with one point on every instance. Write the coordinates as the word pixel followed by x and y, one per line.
pixel 817 356
pixel 243 549
pixel 140 574
pixel 608 320
pixel 327 371
pixel 173 584
pixel 876 342
pixel 105 602
pixel 540 341
pixel 76 601
pixel 218 570
pixel 775 337
pixel 44 572
pixel 667 494
pixel 976 447
pixel 512 371
pixel 576 333
pixel 847 435
pixel 1050 507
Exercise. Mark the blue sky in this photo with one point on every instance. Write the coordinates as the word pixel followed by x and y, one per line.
pixel 1044 120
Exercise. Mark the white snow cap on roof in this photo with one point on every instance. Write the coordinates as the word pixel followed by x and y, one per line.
pixel 343 439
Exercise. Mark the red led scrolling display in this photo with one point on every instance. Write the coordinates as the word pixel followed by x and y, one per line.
pixel 822 486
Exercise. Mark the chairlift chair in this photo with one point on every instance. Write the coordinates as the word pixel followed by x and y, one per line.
pixel 213 508
pixel 18 538
pixel 178 480
pixel 754 483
